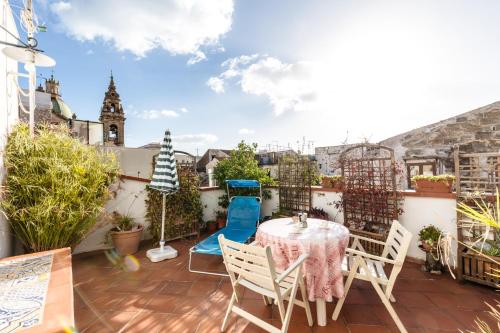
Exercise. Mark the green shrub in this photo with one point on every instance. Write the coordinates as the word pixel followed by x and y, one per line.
pixel 55 186
pixel 242 164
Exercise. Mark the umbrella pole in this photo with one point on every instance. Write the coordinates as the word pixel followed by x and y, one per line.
pixel 162 241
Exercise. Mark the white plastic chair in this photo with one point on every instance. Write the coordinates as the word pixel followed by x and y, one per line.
pixel 368 267
pixel 253 267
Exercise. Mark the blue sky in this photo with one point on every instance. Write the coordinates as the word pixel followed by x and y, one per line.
pixel 323 70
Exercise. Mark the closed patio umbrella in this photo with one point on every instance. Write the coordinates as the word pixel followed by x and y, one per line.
pixel 166 181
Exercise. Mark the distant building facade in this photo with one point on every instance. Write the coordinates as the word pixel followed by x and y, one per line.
pixel 113 117
pixel 269 160
pixel 207 163
pixel 50 108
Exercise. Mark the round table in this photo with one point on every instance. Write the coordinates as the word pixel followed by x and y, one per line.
pixel 324 241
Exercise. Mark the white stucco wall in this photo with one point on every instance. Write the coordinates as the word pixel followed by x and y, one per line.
pixel 130 200
pixel 210 201
pixel 327 200
pixel 420 212
pixel 8 111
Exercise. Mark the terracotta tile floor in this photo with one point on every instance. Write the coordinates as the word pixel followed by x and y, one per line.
pixel 165 297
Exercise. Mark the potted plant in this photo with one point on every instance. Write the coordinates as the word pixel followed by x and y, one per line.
pixel 429 238
pixel 433 184
pixel 336 182
pixel 126 235
pixel 211 226
pixel 221 217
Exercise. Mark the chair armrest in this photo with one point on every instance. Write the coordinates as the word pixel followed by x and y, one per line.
pixel 367 239
pixel 292 267
pixel 356 245
pixel 370 256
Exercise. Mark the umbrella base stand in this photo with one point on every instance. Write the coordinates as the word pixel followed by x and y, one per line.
pixel 161 253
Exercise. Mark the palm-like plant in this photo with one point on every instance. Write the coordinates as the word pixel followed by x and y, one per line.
pixel 482 215
pixel 486 217
pixel 482 326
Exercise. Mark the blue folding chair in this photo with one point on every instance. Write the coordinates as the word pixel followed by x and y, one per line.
pixel 243 216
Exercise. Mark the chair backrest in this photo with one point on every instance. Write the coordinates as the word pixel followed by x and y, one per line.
pixel 252 263
pixel 397 243
pixel 243 212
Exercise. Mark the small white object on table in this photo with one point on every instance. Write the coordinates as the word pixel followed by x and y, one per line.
pixel 324 241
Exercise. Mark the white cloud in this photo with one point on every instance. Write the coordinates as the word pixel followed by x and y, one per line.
pixel 195 139
pixel 216 84
pixel 288 87
pixel 156 114
pixel 184 110
pixel 246 131
pixel 180 27
pixel 196 58
pixel 89 52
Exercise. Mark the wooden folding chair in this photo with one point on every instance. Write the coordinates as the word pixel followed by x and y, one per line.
pixel 252 267
pixel 364 266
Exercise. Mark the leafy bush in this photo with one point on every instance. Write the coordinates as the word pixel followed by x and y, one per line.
pixel 242 164
pixel 55 187
pixel 183 209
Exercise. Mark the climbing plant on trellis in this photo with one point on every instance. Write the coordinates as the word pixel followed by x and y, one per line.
pixel 295 175
pixel 183 209
pixel 370 198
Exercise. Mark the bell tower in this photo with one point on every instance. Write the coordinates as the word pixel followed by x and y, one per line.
pixel 112 116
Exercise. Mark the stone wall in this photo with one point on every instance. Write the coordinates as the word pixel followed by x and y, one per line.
pixel 474 131
pixel 327 158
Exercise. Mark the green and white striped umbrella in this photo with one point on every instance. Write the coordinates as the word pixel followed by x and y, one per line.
pixel 165 177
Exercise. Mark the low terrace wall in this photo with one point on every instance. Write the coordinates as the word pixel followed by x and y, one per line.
pixel 419 211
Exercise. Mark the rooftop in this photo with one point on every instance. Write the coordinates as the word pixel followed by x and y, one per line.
pixel 165 297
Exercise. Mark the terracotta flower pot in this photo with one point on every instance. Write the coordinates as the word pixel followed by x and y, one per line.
pixel 127 242
pixel 427 186
pixel 326 182
pixel 338 185
pixel 221 222
pixel 211 226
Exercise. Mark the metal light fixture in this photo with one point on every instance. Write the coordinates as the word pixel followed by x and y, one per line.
pixel 30 56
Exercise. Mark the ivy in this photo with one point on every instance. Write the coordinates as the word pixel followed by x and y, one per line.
pixel 183 209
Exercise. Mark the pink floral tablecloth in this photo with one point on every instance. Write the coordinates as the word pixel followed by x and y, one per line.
pixel 325 242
